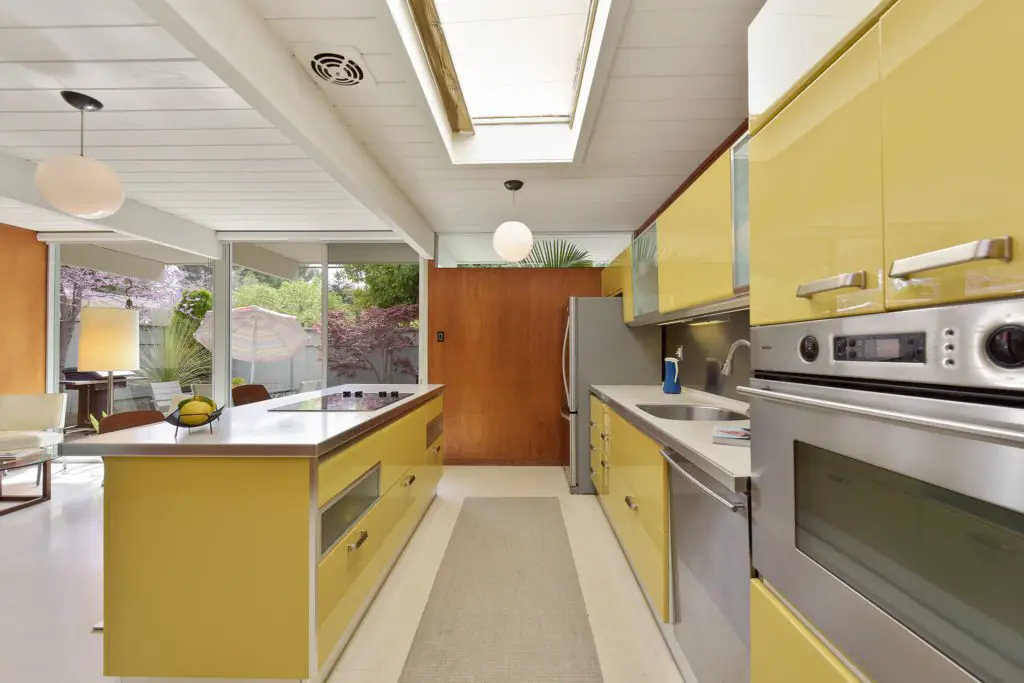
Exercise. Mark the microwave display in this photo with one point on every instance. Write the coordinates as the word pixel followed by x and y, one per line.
pixel 945 565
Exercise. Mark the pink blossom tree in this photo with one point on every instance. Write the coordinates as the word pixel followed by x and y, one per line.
pixel 370 340
pixel 80 285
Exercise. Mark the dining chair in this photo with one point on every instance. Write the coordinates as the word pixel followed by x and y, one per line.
pixel 134 418
pixel 245 394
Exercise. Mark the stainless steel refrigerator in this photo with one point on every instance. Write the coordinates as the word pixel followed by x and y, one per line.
pixel 598 348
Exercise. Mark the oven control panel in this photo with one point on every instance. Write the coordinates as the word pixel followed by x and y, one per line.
pixel 880 348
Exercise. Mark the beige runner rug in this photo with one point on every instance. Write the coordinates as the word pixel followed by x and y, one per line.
pixel 506 605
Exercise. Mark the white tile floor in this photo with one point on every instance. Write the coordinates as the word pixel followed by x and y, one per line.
pixel 51 583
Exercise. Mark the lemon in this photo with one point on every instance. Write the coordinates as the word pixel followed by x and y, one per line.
pixel 194 412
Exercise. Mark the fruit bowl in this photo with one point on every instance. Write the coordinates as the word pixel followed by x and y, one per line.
pixel 175 419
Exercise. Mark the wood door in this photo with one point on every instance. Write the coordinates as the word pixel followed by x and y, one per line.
pixel 501 360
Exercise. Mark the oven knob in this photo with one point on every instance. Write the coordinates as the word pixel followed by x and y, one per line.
pixel 346 394
pixel 394 394
pixel 382 394
pixel 809 348
pixel 1005 346
pixel 359 394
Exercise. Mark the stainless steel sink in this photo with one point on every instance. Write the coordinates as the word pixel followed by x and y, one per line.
pixel 691 412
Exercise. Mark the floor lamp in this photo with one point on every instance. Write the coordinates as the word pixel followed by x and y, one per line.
pixel 108 340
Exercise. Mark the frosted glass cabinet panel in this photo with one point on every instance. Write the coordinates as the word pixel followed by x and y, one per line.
pixel 644 272
pixel 741 215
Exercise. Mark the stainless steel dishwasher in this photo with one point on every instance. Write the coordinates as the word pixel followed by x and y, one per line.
pixel 710 574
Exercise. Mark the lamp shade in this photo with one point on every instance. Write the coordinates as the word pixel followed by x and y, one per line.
pixel 108 339
pixel 513 241
pixel 80 186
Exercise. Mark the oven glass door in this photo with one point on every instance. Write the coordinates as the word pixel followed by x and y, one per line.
pixel 947 566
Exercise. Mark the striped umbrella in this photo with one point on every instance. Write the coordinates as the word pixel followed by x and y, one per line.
pixel 257 335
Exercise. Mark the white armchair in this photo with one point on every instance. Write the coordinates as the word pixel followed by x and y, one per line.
pixel 31 420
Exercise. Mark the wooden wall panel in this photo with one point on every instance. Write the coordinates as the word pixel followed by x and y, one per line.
pixel 501 360
pixel 22 312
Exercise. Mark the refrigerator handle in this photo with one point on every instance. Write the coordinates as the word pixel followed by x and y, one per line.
pixel 565 360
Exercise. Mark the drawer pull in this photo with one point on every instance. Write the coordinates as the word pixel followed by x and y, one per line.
pixel 410 481
pixel 592 471
pixel 1000 248
pixel 593 448
pixel 363 535
pixel 605 436
pixel 436 449
pixel 630 504
pixel 593 424
pixel 858 279
pixel 604 464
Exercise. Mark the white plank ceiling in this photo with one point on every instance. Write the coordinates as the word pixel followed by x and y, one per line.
pixel 180 140
pixel 677 89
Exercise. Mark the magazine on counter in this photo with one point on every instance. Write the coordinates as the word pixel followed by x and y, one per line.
pixel 731 436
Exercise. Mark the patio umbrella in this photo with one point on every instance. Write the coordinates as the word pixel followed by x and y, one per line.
pixel 257 335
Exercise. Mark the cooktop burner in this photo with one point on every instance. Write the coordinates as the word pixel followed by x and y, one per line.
pixel 344 401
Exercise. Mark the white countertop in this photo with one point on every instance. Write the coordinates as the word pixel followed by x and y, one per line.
pixel 722 462
pixel 252 430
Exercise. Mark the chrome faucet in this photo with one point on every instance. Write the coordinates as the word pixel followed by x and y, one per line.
pixel 727 368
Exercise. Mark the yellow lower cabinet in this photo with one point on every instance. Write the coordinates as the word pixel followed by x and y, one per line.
pixel 695 249
pixel 952 151
pixel 816 197
pixel 346 577
pixel 783 650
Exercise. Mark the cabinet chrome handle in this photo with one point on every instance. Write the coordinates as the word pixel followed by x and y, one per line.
pixel 363 535
pixel 593 424
pixel 857 279
pixel 604 436
pixel 1000 248
pixel 630 504
pixel 604 464
pixel 593 448
pixel 410 481
pixel 699 484
pixel 436 449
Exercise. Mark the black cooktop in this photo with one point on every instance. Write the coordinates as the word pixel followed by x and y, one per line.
pixel 344 402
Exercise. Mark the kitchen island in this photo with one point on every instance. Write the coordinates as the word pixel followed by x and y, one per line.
pixel 251 553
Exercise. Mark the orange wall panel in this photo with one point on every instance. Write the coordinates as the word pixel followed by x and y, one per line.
pixel 22 312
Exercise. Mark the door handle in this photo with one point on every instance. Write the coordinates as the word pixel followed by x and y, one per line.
pixel 858 279
pixel 996 248
pixel 363 535
pixel 699 484
pixel 630 504
pixel 922 421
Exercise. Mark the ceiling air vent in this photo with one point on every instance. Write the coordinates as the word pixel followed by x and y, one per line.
pixel 337 68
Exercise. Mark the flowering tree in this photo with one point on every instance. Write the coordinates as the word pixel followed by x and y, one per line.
pixel 78 285
pixel 370 340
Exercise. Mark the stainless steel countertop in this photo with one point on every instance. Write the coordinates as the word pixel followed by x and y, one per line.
pixel 692 440
pixel 253 431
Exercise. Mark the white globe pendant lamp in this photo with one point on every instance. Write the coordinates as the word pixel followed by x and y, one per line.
pixel 513 240
pixel 78 185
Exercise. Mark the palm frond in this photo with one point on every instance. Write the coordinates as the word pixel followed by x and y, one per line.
pixel 558 253
pixel 179 357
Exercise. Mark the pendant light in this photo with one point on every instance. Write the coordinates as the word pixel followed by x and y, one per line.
pixel 513 240
pixel 78 185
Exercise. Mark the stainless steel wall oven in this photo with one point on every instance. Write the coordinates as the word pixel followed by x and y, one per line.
pixel 888 487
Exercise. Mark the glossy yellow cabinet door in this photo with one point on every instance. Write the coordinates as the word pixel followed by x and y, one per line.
pixel 783 650
pixel 953 150
pixel 816 197
pixel 695 242
pixel 627 284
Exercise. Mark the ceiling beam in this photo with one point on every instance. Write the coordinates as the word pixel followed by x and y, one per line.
pixel 235 42
pixel 17 182
pixel 308 236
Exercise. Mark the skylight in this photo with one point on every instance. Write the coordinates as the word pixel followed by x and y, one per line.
pixel 516 61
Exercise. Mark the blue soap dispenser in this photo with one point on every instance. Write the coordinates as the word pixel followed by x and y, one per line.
pixel 671 384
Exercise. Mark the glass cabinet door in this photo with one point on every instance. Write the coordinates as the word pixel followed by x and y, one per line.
pixel 644 271
pixel 339 515
pixel 741 215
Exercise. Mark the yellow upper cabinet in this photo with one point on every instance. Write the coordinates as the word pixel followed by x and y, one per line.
pixel 783 650
pixel 695 247
pixel 953 150
pixel 816 197
pixel 617 280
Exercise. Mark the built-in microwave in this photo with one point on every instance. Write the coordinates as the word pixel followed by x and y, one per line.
pixel 890 512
